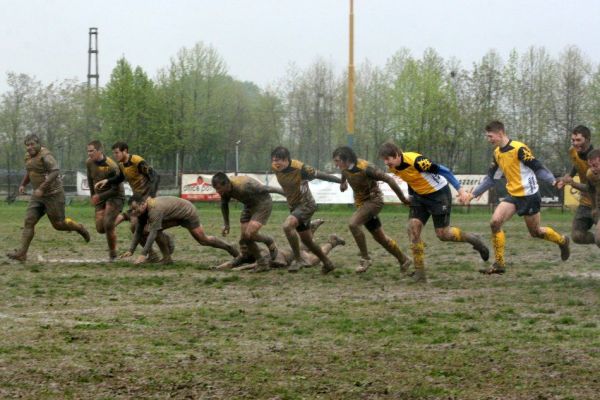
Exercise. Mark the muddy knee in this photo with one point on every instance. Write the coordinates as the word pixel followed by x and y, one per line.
pixel 496 225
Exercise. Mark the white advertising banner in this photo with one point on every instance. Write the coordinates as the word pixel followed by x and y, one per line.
pixel 197 187
pixel 83 188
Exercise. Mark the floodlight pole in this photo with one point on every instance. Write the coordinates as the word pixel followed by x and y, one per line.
pixel 237 156
pixel 350 108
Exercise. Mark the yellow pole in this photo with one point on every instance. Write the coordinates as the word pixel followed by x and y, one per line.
pixel 350 111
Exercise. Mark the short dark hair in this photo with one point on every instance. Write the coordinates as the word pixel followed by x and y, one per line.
pixel 281 152
pixel 97 144
pixel 389 149
pixel 583 131
pixel 220 179
pixel 138 198
pixel 32 137
pixel 122 146
pixel 494 126
pixel 595 153
pixel 346 154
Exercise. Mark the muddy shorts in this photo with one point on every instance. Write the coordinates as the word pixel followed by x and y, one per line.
pixel 116 203
pixel 53 206
pixel 303 214
pixel 258 212
pixel 367 215
pixel 583 220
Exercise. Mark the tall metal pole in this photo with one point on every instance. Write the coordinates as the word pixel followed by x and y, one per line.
pixel 350 111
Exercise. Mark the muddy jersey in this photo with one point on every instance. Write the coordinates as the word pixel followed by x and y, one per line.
pixel 137 172
pixel 362 178
pixel 421 175
pixel 104 169
pixel 294 182
pixel 580 168
pixel 169 208
pixel 38 167
pixel 247 191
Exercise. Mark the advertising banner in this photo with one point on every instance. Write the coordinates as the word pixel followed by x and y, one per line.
pixel 84 190
pixel 197 187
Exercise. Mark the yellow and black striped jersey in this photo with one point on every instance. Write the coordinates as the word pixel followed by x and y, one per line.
pixel 518 165
pixel 421 175
pixel 294 182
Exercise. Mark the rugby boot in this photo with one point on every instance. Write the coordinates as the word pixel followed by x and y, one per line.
pixel 315 224
pixel 483 250
pixel 495 268
pixel 565 250
pixel 363 265
pixel 419 276
pixel 404 264
pixel 327 267
pixel 17 255
pixel 112 255
pixel 335 240
pixel 83 232
pixel 166 260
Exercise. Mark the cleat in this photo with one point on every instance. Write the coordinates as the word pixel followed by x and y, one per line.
pixel 404 265
pixel 419 276
pixel 327 267
pixel 315 224
pixel 335 240
pixel 363 266
pixel 166 260
pixel 17 255
pixel 152 258
pixel 495 268
pixel 483 250
pixel 112 256
pixel 84 233
pixel 273 251
pixel 565 251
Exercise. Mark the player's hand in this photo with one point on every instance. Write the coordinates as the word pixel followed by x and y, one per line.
pixel 559 184
pixel 100 184
pixel 343 186
pixel 95 199
pixel 21 189
pixel 225 230
pixel 38 192
pixel 566 180
pixel 140 259
pixel 127 254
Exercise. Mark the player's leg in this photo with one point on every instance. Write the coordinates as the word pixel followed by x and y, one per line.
pixel 55 209
pixel 447 233
pixel 307 238
pixel 35 211
pixel 533 223
pixel 417 219
pixel 582 223
pixel 289 228
pixel 503 212
pixel 99 218
pixel 389 244
pixel 198 234
pixel 357 220
pixel 332 243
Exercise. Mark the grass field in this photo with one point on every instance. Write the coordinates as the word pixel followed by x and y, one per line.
pixel 97 330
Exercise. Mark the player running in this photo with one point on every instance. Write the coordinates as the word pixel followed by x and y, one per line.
pixel 293 176
pixel 42 171
pixel 368 199
pixel 430 196
pixel 107 200
pixel 257 203
pixel 516 162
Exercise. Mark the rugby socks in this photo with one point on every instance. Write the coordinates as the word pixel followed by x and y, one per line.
pixel 392 247
pixel 499 241
pixel 552 236
pixel 418 252
pixel 457 235
pixel 72 224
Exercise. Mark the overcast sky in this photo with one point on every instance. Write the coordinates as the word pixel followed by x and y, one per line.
pixel 258 39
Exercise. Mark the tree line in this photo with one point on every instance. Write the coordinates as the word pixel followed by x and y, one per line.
pixel 192 113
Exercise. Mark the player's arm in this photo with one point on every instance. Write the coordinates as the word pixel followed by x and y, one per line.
pixel 486 183
pixel 583 187
pixel 225 213
pixel 309 173
pixel 51 165
pixel 137 237
pixel 343 183
pixel 379 175
pixel 423 164
pixel 153 178
pixel 113 180
pixel 541 172
pixel 276 190
pixel 90 182
pixel 24 183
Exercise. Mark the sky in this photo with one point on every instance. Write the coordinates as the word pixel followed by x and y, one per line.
pixel 260 39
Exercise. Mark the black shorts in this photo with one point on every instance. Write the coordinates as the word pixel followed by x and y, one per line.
pixel 437 204
pixel 526 205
